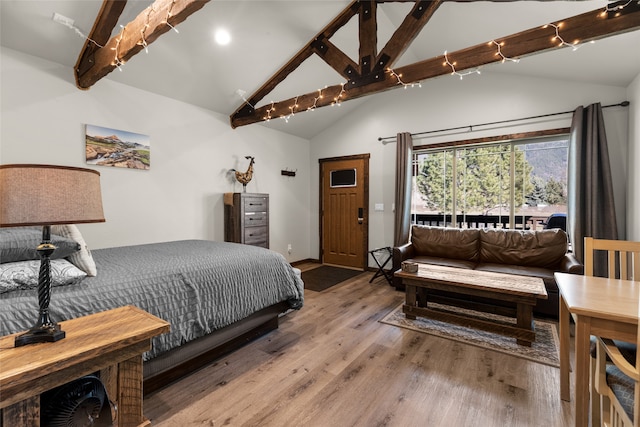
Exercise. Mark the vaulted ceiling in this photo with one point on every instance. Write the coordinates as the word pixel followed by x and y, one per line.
pixel 285 54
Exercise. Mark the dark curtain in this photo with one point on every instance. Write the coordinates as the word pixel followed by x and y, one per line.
pixel 590 209
pixel 404 154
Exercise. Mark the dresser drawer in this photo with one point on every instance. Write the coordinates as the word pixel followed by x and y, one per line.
pixel 246 218
pixel 256 219
pixel 255 236
pixel 256 204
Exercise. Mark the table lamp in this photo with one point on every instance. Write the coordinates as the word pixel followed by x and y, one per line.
pixel 46 195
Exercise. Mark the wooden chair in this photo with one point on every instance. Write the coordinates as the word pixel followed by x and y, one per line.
pixel 618 383
pixel 622 262
pixel 623 257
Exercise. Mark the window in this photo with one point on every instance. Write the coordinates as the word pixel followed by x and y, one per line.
pixel 343 178
pixel 514 184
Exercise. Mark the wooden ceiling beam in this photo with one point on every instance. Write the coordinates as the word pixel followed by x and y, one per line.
pixel 404 35
pixel 304 53
pixel 150 24
pixel 368 35
pixel 336 59
pixel 104 24
pixel 586 27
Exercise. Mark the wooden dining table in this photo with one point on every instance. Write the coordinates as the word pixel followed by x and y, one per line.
pixel 600 306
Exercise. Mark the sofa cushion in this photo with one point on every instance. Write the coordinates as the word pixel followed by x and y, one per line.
pixel 544 248
pixel 443 242
pixel 447 262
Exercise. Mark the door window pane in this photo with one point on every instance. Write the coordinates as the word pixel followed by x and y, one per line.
pixel 343 178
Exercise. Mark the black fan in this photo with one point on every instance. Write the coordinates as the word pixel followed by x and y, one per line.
pixel 80 403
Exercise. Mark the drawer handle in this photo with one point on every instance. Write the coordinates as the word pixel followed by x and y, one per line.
pixel 255 219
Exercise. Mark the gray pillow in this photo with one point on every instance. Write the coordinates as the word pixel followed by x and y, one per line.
pixel 81 259
pixel 24 274
pixel 20 243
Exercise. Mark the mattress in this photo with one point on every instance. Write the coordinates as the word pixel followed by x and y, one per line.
pixel 197 286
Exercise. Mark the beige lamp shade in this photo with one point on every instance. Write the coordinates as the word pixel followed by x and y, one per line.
pixel 48 195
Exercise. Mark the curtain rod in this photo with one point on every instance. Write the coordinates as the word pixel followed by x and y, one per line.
pixel 470 127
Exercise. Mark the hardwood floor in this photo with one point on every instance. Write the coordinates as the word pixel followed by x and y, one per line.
pixel 333 364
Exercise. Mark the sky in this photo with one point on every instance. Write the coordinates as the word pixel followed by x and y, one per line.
pixel 124 135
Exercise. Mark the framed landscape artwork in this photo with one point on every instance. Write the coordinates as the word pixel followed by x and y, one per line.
pixel 117 148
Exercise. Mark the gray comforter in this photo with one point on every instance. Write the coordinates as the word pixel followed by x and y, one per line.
pixel 197 286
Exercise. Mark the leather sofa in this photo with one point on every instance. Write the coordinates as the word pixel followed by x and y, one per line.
pixel 527 253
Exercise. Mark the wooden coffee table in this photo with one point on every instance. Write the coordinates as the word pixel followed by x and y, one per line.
pixel 522 291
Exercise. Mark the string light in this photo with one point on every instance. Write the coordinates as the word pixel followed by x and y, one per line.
pixel 499 52
pixel 453 67
pixel 575 44
pixel 315 100
pixel 117 62
pixel 617 9
pixel 292 109
pixel 166 20
pixel 79 32
pixel 143 42
pixel 400 82
pixel 336 100
pixel 241 93
pixel 269 111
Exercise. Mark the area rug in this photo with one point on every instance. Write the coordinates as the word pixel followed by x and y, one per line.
pixel 543 350
pixel 326 276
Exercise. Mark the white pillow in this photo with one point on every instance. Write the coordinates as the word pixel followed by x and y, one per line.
pixel 24 274
pixel 81 259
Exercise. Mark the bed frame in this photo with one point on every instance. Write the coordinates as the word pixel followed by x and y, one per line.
pixel 179 362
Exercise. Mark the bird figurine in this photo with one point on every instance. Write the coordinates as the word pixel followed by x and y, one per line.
pixel 245 177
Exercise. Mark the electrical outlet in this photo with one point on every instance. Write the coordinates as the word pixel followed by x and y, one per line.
pixel 289 248
pixel 61 19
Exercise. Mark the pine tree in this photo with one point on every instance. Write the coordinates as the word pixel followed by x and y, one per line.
pixel 554 192
pixel 482 179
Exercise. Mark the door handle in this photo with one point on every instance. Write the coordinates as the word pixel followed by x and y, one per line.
pixel 360 215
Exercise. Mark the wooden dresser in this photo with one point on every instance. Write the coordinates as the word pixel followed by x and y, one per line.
pixel 246 218
pixel 110 342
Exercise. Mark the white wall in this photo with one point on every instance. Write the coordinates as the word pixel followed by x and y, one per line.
pixel 180 197
pixel 633 190
pixel 448 102
pixel 42 117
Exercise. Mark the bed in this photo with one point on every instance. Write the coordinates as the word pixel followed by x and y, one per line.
pixel 215 295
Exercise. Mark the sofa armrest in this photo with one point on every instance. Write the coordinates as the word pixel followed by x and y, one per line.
pixel 401 253
pixel 570 264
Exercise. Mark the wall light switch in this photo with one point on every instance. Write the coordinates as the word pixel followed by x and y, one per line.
pixel 379 207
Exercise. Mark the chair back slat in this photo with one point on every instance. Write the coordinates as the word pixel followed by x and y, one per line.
pixel 611 262
pixel 622 257
pixel 625 274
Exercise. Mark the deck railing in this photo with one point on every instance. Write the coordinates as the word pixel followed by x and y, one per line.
pixel 526 222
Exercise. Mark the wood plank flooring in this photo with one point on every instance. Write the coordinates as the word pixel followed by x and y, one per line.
pixel 333 364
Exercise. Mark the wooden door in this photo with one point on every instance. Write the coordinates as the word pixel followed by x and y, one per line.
pixel 344 216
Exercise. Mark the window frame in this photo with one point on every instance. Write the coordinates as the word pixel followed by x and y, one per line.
pixel 513 140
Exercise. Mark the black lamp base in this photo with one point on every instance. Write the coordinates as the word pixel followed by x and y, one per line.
pixel 45 330
pixel 40 333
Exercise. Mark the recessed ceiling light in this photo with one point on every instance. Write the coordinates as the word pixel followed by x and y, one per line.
pixel 222 37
